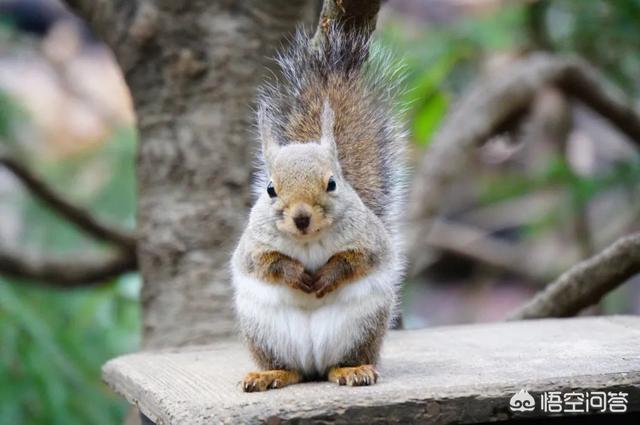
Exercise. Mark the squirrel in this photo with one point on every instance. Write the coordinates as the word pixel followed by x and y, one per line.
pixel 317 269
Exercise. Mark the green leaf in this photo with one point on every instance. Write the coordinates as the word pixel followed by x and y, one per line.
pixel 428 117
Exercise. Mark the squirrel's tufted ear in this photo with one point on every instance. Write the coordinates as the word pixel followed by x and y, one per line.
pixel 270 145
pixel 326 126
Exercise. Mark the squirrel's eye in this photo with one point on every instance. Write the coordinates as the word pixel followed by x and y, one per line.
pixel 331 184
pixel 271 190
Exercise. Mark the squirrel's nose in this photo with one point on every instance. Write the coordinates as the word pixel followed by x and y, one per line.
pixel 302 221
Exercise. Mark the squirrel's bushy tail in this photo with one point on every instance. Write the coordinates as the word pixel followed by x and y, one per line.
pixel 361 83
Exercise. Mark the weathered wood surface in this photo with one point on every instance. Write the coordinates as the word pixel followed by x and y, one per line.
pixel 458 374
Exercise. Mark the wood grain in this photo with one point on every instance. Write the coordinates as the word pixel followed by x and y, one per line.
pixel 458 374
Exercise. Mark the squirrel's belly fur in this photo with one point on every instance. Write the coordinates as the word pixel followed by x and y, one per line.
pixel 311 335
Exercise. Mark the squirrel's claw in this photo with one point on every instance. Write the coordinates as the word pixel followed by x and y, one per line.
pixel 354 376
pixel 306 283
pixel 269 379
pixel 323 286
pixel 303 282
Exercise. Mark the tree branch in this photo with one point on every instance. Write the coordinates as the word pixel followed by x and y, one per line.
pixel 77 215
pixel 352 15
pixel 490 108
pixel 472 243
pixel 586 283
pixel 66 273
pixel 581 81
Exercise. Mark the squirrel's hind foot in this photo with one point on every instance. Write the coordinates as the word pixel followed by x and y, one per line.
pixel 354 376
pixel 269 379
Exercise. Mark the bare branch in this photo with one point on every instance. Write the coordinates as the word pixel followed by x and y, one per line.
pixel 478 116
pixel 353 15
pixel 78 216
pixel 472 243
pixel 585 83
pixel 68 272
pixel 586 283
pixel 490 108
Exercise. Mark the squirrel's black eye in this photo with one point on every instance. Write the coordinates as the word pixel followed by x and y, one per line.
pixel 331 184
pixel 271 190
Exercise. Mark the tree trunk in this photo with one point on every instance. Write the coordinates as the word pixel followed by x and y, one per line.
pixel 193 76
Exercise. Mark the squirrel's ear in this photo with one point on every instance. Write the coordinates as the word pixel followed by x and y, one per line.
pixel 270 145
pixel 326 126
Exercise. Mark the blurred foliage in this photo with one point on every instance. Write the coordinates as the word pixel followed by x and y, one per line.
pixel 53 343
pixel 442 60
pixel 603 31
pixel 10 115
pixel 559 174
pixel 102 179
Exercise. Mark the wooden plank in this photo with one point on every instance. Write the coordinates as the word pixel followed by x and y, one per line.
pixel 457 374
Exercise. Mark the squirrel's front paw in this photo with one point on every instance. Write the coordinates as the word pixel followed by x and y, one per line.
pixel 354 376
pixel 303 281
pixel 324 283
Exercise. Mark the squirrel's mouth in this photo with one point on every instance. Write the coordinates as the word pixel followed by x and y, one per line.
pixel 307 235
pixel 310 231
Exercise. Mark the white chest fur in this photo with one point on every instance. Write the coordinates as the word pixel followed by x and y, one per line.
pixel 306 333
pixel 313 256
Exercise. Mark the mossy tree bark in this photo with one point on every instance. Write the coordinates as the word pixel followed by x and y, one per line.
pixel 192 68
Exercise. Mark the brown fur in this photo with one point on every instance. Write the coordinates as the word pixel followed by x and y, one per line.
pixel 358 150
pixel 275 267
pixel 262 357
pixel 343 267
pixel 368 350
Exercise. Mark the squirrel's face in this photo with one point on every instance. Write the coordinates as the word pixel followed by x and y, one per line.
pixel 304 190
